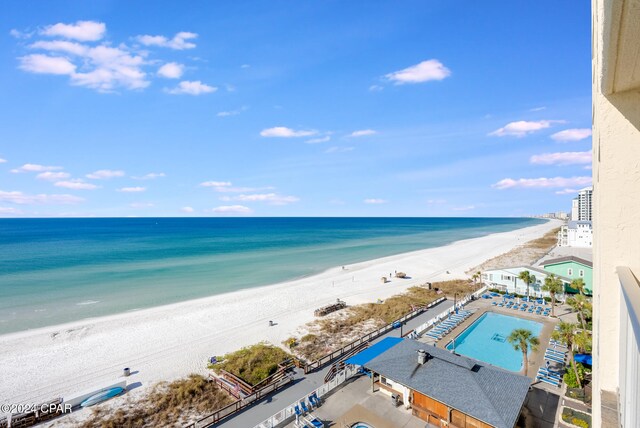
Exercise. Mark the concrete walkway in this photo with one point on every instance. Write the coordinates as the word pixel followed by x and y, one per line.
pixel 305 384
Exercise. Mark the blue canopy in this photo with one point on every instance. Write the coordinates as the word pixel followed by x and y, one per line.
pixel 361 358
pixel 583 358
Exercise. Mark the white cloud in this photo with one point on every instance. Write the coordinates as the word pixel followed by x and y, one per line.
pixel 271 198
pixel 543 182
pixel 3 160
pixel 423 72
pixel 187 209
pixel 538 108
pixel 563 158
pixel 32 167
pixel 191 88
pixel 319 140
pixel 85 31
pixel 171 70
pixel 375 201
pixel 150 176
pixel 10 211
pixel 216 184
pixel 376 88
pixel 137 189
pixel 574 134
pixel 102 67
pixel 20 198
pixel 284 132
pixel 245 66
pixel 76 184
pixel 44 64
pixel 566 191
pixel 363 133
pixel 522 128
pixel 20 34
pixel 61 46
pixel 53 176
pixel 104 174
pixel 465 208
pixel 232 112
pixel 232 209
pixel 436 201
pixel 336 149
pixel 178 42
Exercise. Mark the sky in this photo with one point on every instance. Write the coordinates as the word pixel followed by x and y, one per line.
pixel 289 108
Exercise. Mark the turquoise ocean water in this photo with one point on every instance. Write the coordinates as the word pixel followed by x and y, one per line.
pixel 60 270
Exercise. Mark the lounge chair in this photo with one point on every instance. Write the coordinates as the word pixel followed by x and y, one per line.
pixel 317 423
pixel 553 358
pixel 555 351
pixel 548 380
pixel 296 408
pixel 552 375
pixel 305 409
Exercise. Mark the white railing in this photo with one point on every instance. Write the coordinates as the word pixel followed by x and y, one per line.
pixel 419 331
pixel 289 412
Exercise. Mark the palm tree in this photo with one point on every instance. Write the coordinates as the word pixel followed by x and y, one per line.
pixel 582 342
pixel 578 284
pixel 476 277
pixel 525 275
pixel 553 285
pixel 523 340
pixel 566 333
pixel 582 306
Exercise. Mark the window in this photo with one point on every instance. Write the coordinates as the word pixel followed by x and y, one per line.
pixel 581 273
pixel 569 272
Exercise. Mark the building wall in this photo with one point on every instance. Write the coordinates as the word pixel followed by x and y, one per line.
pixel 616 177
pixel 572 270
pixel 508 280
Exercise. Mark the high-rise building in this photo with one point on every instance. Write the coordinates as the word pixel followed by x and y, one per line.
pixel 575 210
pixel 584 204
pixel 616 213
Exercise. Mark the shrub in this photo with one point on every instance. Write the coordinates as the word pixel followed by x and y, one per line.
pixel 308 338
pixel 580 423
pixel 570 376
pixel 253 363
pixel 576 418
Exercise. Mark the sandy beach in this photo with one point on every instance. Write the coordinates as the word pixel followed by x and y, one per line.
pixel 168 342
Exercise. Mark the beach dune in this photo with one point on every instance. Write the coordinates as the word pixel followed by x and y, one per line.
pixel 168 342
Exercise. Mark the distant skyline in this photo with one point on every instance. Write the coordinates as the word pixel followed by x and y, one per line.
pixel 293 109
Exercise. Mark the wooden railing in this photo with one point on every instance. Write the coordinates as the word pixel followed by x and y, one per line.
pixel 280 379
pixel 321 362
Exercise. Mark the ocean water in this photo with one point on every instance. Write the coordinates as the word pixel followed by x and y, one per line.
pixel 60 270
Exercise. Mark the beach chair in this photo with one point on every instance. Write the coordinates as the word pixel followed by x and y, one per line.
pixel 317 423
pixel 317 400
pixel 554 358
pixel 494 303
pixel 555 351
pixel 305 409
pixel 296 409
pixel 552 375
pixel 548 380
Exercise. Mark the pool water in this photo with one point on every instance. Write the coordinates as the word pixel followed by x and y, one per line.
pixel 486 340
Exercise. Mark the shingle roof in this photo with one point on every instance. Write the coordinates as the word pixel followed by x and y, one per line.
pixel 487 393
pixel 567 259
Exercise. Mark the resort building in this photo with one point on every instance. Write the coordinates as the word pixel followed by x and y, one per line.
pixel 575 204
pixel 616 213
pixel 584 204
pixel 576 234
pixel 573 268
pixel 446 389
pixel 507 279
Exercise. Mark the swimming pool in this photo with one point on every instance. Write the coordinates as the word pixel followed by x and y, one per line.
pixel 486 340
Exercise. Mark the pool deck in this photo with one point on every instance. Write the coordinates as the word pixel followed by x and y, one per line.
pixel 536 358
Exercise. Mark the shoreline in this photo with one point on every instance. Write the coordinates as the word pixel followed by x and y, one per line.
pixel 171 341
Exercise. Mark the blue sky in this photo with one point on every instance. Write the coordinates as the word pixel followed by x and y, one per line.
pixel 287 108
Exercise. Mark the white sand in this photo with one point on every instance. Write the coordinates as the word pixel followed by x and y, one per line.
pixel 172 341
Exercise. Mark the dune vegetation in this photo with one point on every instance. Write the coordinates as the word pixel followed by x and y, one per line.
pixel 253 363
pixel 167 404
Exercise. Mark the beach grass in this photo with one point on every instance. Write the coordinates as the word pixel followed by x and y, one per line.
pixel 167 404
pixel 525 254
pixel 331 333
pixel 253 363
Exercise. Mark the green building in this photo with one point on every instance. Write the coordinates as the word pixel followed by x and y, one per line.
pixel 574 268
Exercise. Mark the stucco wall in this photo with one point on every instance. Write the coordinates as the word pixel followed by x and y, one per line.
pixel 616 197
